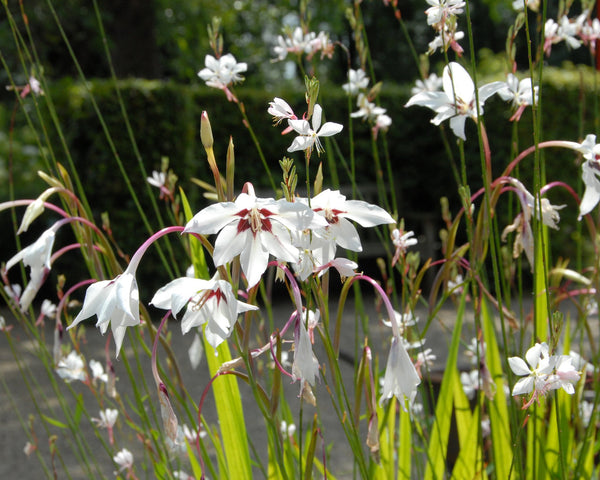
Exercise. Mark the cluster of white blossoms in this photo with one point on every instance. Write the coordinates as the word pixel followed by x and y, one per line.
pixel 222 72
pixel 456 100
pixel 574 32
pixel 358 82
pixel 442 17
pixel 299 43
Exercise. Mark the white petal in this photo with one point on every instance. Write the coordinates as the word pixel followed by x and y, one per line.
pixel 366 214
pixel 212 218
pixel 301 143
pixel 525 385
pixel 346 235
pixel 254 260
pixel 229 243
pixel 330 128
pixel 316 117
pixel 518 366
pixel 457 124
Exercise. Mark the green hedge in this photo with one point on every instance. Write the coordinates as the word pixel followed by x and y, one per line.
pixel 165 119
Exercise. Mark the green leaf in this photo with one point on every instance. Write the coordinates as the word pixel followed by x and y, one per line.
pixel 54 422
pixel 438 445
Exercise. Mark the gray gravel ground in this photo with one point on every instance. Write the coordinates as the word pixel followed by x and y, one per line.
pixel 16 378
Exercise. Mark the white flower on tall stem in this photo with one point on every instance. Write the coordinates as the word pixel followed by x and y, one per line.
pixel 107 419
pixel 124 460
pixel 566 30
pixel 98 372
pixel 522 223
pixel 296 42
pixel 402 241
pixel 337 211
pixel 441 10
pixel 457 101
pixel 519 93
pixel 305 366
pixel 357 81
pixel 565 375
pixel 281 110
pixel 209 302
pixel 222 72
pixel 367 110
pixel 536 374
pixel 309 136
pixel 114 302
pixel 590 171
pixel 432 83
pixel 254 228
pixel 447 38
pixel 71 368
pixel 401 378
pixel 37 257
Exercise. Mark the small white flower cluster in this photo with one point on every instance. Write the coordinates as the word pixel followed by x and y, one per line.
pixel 299 43
pixel 367 110
pixel 441 16
pixel 542 373
pixel 574 32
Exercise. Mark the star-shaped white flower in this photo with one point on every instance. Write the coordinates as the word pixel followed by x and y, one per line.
pixel 211 302
pixel 254 228
pixel 337 211
pixel 222 72
pixel 71 368
pixel 114 302
pixel 457 101
pixel 308 137
pixel 519 93
pixel 536 373
pixel 357 81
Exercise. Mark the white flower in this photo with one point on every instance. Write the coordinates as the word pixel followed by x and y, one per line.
pixel 536 373
pixel 211 302
pixel 533 5
pixel 107 418
pixel 254 228
pixel 295 42
pixel 338 212
pixel 440 10
pixel 590 173
pixel 401 378
pixel 98 371
pixel 470 382
pixel 222 72
pixel 48 309
pixel 457 101
pixel 71 368
pixel 158 179
pixel 124 459
pixel 195 352
pixel 447 38
pixel 114 302
pixel 366 109
pixel 403 321
pixel 357 80
pixel 280 110
pixel 308 137
pixel 565 375
pixel 305 366
pixel 37 257
pixel 432 83
pixel 519 93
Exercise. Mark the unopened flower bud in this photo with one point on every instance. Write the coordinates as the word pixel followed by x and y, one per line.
pixel 206 131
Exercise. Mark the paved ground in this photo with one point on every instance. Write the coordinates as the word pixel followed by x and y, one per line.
pixel 18 379
pixel 15 393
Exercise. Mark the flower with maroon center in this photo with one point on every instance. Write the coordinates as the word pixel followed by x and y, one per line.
pixel 211 302
pixel 337 211
pixel 254 228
